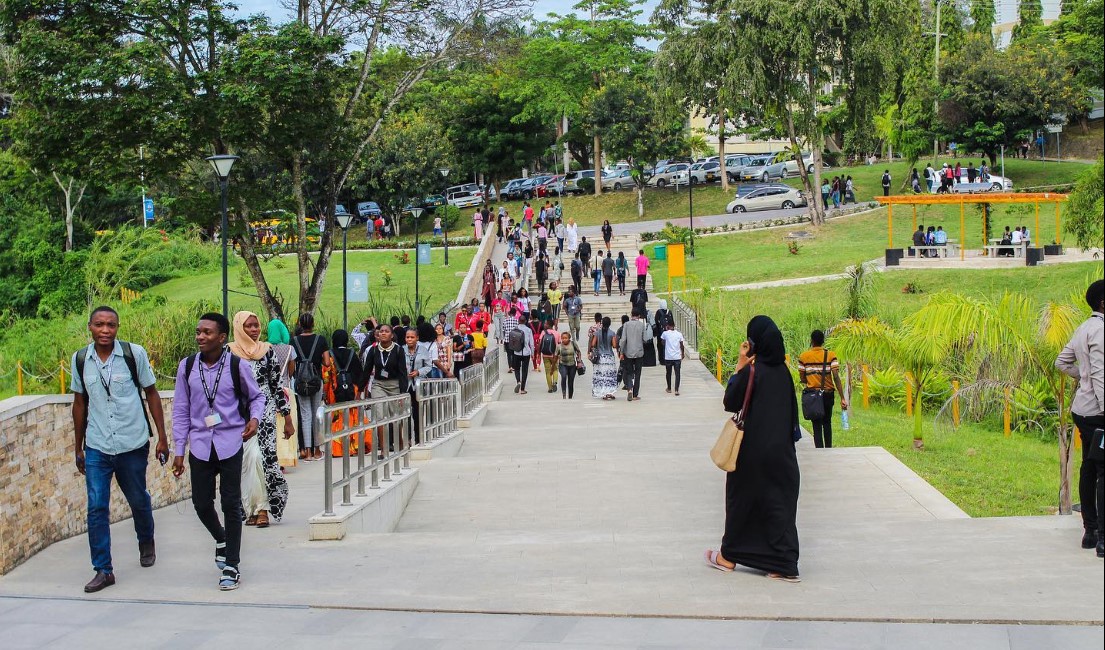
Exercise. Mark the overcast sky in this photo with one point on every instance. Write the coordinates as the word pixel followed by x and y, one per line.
pixel 540 8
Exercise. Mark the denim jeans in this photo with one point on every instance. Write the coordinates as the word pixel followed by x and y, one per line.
pixel 129 470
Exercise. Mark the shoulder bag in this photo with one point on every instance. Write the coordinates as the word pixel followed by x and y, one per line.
pixel 728 445
pixel 813 399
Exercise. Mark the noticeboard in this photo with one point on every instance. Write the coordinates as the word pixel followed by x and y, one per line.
pixel 677 265
pixel 356 286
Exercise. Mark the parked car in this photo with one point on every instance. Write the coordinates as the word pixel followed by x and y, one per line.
pixel 618 180
pixel 734 164
pixel 554 186
pixel 775 197
pixel 997 184
pixel 754 170
pixel 368 210
pixel 512 189
pixel 785 166
pixel 663 175
pixel 465 199
pixel 571 180
pixel 700 172
pixel 433 202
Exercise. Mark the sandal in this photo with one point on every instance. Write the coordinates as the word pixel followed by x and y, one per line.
pixel 783 578
pixel 711 557
pixel 263 519
pixel 252 520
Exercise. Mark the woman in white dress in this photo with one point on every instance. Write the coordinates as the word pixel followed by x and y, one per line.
pixel 573 235
pixel 604 377
pixel 287 449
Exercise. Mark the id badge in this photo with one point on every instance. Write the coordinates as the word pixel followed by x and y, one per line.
pixel 383 374
pixel 213 420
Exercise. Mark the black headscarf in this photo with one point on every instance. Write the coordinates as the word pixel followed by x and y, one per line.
pixel 768 341
pixel 340 338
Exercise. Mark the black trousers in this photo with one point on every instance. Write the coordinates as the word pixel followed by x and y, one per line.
pixel 229 472
pixel 609 283
pixel 669 366
pixel 577 282
pixel 1091 476
pixel 632 370
pixel 621 282
pixel 823 428
pixel 520 364
pixel 640 281
pixel 568 380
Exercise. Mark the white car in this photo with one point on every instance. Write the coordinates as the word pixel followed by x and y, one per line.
pixel 465 199
pixel 662 177
pixel 772 197
pixel 996 183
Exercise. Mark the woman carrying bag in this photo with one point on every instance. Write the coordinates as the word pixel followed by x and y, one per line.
pixel 761 494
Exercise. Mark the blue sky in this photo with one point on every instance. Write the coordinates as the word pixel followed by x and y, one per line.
pixel 540 8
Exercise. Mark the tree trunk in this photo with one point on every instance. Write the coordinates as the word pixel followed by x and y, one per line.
pixel 598 166
pixel 721 150
pixel 640 200
pixel 813 193
pixel 70 206
pixel 567 149
pixel 272 307
pixel 303 260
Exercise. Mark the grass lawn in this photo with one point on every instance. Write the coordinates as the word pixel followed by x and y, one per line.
pixel 438 284
pixel 976 466
pixel 666 204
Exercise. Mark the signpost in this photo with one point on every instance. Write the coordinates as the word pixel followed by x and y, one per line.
pixel 677 264
pixel 424 254
pixel 147 209
pixel 356 284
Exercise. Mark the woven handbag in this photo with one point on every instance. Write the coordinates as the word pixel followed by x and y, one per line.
pixel 728 445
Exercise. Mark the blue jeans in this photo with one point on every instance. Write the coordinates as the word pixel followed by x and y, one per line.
pixel 130 473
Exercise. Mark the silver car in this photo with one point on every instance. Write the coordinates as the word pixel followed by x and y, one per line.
pixel 754 170
pixel 772 197
pixel 663 175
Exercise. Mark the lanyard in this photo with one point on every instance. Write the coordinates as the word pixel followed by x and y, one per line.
pixel 106 383
pixel 213 391
pixel 384 359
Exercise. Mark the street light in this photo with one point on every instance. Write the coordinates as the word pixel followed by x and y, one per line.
pixel 445 214
pixel 417 213
pixel 690 207
pixel 344 220
pixel 222 164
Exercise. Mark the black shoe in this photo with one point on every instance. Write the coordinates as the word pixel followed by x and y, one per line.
pixel 1100 551
pixel 100 582
pixel 146 554
pixel 517 387
pixel 1089 539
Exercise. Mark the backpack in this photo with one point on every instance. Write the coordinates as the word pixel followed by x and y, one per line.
pixel 515 341
pixel 132 366
pixel 308 379
pixel 235 376
pixel 548 344
pixel 345 390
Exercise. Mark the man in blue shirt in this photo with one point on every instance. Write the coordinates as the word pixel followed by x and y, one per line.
pixel 113 437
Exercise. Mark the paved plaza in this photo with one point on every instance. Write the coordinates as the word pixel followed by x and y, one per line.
pixel 586 521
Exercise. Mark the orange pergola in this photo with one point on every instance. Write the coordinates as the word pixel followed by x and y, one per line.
pixel 962 200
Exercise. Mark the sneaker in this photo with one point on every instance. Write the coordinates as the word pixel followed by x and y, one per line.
pixel 230 579
pixel 1089 539
pixel 220 555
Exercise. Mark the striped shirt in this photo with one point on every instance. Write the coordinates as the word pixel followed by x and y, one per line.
pixel 817 363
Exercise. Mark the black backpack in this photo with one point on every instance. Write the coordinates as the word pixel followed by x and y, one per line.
pixel 308 379
pixel 235 376
pixel 345 390
pixel 515 341
pixel 132 366
pixel 548 344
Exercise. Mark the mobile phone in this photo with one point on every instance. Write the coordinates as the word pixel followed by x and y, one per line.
pixel 751 348
pixel 162 457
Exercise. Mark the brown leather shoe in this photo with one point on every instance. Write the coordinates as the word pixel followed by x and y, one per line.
pixel 146 554
pixel 101 581
pixel 263 519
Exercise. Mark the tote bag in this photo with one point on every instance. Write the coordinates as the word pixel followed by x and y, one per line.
pixel 728 445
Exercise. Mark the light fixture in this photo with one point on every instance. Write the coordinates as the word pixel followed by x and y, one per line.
pixel 222 164
pixel 344 220
pixel 417 213
pixel 444 172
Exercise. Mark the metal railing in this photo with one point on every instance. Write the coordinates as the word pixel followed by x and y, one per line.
pixel 438 408
pixel 471 389
pixel 491 378
pixel 686 321
pixel 384 420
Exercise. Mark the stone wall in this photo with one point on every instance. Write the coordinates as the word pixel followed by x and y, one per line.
pixel 42 495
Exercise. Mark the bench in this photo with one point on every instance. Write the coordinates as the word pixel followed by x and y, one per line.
pixel 1018 249
pixel 950 248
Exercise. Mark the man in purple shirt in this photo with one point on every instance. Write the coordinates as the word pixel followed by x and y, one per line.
pixel 216 407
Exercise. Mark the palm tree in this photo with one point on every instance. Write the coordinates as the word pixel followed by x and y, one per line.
pixel 1006 343
pixel 910 348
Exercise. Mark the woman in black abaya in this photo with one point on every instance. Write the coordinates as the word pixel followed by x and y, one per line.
pixel 761 496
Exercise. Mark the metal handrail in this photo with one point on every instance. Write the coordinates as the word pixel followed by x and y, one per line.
pixel 437 408
pixel 471 388
pixel 491 376
pixel 371 417
pixel 686 321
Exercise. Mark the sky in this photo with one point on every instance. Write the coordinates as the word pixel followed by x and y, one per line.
pixel 540 8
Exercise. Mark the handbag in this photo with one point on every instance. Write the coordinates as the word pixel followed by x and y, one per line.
pixel 728 445
pixel 813 399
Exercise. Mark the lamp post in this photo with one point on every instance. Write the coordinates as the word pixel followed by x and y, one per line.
pixel 690 208
pixel 222 164
pixel 344 220
pixel 445 216
pixel 416 212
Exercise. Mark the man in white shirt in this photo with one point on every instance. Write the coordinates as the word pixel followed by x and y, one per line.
pixel 674 352
pixel 1017 237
